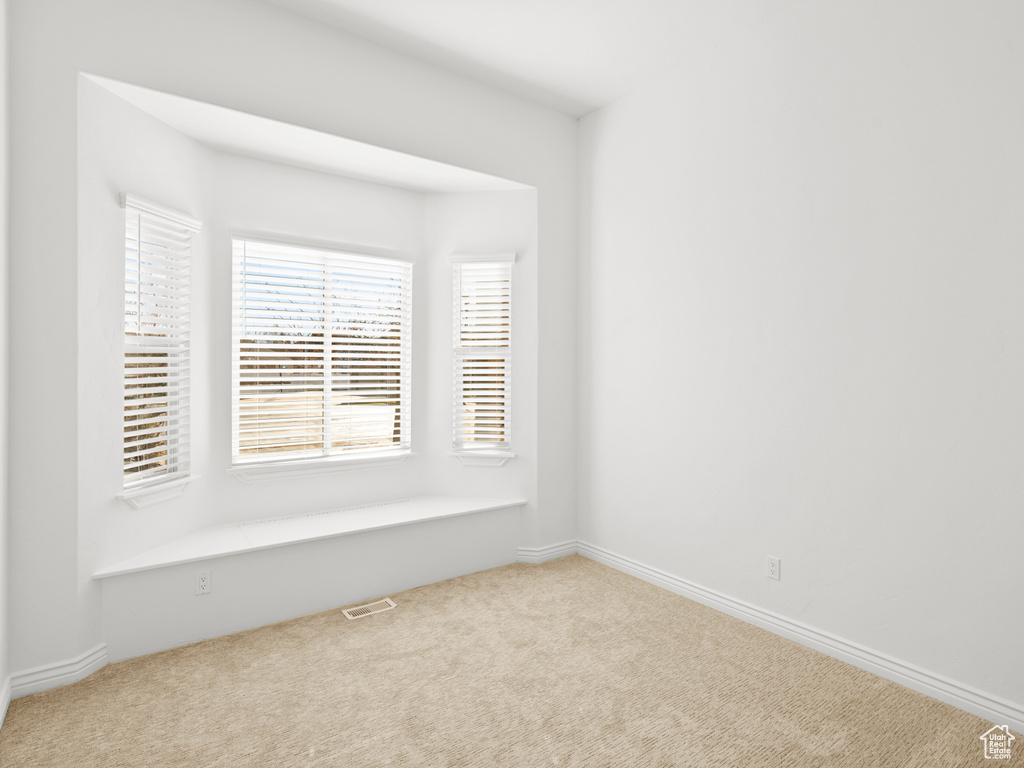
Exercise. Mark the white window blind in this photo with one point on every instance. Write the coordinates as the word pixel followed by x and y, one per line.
pixel 156 343
pixel 482 315
pixel 322 353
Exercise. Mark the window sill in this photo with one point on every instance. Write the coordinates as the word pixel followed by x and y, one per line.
pixel 239 538
pixel 148 495
pixel 250 473
pixel 482 458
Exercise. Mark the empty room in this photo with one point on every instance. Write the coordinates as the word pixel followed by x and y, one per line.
pixel 511 383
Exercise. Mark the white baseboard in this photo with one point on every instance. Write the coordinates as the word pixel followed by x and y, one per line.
pixel 5 700
pixel 543 554
pixel 984 705
pixel 60 673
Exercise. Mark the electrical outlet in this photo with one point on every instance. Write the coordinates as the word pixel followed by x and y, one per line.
pixel 204 583
pixel 774 568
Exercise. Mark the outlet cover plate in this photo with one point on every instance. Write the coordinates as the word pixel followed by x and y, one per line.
pixel 204 583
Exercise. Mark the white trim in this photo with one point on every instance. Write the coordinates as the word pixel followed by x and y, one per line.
pixel 482 458
pixel 147 495
pixel 137 203
pixel 5 700
pixel 256 472
pixel 508 257
pixel 965 697
pixel 60 673
pixel 543 554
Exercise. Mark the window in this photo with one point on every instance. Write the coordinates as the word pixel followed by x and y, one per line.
pixel 482 316
pixel 322 353
pixel 156 344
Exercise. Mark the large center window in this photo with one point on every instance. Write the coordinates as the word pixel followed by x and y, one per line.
pixel 321 354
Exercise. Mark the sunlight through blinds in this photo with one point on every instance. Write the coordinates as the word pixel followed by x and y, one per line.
pixel 482 315
pixel 156 343
pixel 322 353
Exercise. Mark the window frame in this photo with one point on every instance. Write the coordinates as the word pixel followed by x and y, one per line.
pixel 170 301
pixel 285 463
pixel 485 454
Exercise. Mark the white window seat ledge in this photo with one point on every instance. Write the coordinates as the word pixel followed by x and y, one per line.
pixel 236 538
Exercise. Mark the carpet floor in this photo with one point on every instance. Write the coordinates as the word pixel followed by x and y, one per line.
pixel 569 663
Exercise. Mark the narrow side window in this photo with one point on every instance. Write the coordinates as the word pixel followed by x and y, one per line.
pixel 157 257
pixel 482 326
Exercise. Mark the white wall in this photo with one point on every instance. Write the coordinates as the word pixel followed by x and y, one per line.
pixel 480 222
pixel 261 60
pixel 802 288
pixel 123 150
pixel 5 630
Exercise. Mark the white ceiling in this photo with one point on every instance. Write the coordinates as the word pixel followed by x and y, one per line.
pixel 573 55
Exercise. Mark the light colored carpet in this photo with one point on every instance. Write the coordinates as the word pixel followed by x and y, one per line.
pixel 570 663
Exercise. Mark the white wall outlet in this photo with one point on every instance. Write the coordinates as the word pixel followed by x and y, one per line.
pixel 204 583
pixel 774 568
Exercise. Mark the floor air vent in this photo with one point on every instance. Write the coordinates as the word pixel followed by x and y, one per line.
pixel 370 608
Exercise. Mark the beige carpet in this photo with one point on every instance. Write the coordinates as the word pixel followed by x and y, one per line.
pixel 569 663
